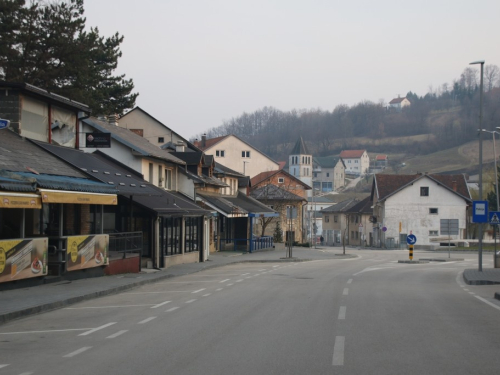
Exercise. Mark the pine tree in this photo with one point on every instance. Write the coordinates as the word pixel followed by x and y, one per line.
pixel 278 233
pixel 45 44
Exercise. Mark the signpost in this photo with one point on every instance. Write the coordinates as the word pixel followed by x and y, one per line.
pixel 480 215
pixel 411 240
pixel 449 227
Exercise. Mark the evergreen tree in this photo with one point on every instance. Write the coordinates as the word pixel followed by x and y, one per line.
pixel 45 44
pixel 278 233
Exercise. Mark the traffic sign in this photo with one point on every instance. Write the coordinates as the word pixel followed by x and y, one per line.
pixel 411 239
pixel 494 217
pixel 4 123
pixel 480 211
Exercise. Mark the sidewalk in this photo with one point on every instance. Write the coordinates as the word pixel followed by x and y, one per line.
pixel 22 302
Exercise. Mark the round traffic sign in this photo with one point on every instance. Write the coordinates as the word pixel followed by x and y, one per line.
pixel 411 239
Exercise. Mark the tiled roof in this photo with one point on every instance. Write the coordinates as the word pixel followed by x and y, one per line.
pixel 351 153
pixel 397 100
pixel 209 142
pixel 387 184
pixel 381 157
pixel 268 174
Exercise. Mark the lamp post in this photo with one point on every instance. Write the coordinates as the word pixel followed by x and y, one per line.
pixel 480 251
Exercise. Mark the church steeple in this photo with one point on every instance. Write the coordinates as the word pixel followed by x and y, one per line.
pixel 300 162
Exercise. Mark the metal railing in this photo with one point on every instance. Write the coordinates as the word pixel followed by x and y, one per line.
pixel 257 243
pixel 126 242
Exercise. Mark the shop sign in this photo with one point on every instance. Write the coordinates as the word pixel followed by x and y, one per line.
pixel 23 259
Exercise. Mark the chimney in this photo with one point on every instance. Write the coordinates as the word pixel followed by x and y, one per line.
pixel 204 140
pixel 454 185
pixel 113 119
pixel 180 147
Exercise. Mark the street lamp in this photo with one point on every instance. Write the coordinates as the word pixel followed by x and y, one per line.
pixel 480 252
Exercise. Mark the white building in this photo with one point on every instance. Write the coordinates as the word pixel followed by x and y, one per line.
pixel 415 204
pixel 356 162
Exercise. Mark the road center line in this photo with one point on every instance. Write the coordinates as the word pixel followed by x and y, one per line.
pixel 172 309
pixel 244 274
pixel 206 295
pixel 96 329
pixel 76 352
pixel 191 300
pixel 342 312
pixel 223 281
pixel 338 351
pixel 147 320
pixel 119 333
pixel 239 281
pixel 2 366
pixel 198 291
pixel 346 291
pixel 229 284
pixel 349 281
pixel 54 330
pixel 160 304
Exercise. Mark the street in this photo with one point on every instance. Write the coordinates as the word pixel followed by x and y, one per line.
pixel 363 315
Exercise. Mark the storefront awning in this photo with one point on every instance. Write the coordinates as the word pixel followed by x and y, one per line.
pixel 239 206
pixel 20 200
pixel 77 197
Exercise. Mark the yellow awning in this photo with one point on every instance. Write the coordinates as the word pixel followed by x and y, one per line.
pixel 20 200
pixel 63 196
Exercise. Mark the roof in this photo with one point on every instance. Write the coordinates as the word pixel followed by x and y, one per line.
pixel 137 108
pixel 381 157
pixel 46 95
pixel 209 142
pixel 263 176
pixel 385 185
pixel 237 206
pixel 300 148
pixel 132 140
pixel 190 158
pixel 343 206
pixel 352 153
pixel 272 192
pixel 327 161
pixel 225 171
pixel 362 207
pixel 129 183
pixel 397 100
pixel 281 164
pixel 18 154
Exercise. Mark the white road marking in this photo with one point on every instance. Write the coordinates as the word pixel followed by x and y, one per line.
pixel 166 291
pixel 147 320
pixel 160 304
pixel 262 270
pixel 206 295
pixel 76 352
pixel 472 293
pixel 223 281
pixel 338 351
pixel 119 333
pixel 488 302
pixel 2 366
pixel 218 290
pixel 198 291
pixel 54 330
pixel 346 291
pixel 275 266
pixel 105 307
pixel 257 274
pixel 239 281
pixel 244 274
pixel 191 300
pixel 229 284
pixel 371 269
pixel 27 373
pixel 172 309
pixel 96 329
pixel 349 281
pixel 342 312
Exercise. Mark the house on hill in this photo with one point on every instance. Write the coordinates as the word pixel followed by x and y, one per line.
pixel 404 204
pixel 356 162
pixel 399 103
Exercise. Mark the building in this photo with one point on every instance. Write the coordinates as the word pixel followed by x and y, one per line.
pixel 337 222
pixel 356 162
pixel 328 174
pixel 416 204
pixel 399 103
pixel 236 154
pixel 300 163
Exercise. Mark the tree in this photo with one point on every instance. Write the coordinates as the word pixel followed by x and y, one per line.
pixel 491 76
pixel 45 44
pixel 492 195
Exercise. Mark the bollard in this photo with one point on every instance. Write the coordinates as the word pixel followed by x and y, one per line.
pixel 411 252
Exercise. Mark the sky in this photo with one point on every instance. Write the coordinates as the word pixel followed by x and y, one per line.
pixel 197 63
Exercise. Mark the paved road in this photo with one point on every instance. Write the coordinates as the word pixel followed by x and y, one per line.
pixel 367 315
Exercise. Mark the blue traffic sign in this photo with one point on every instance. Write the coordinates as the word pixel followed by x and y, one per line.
pixel 411 239
pixel 4 123
pixel 480 211
pixel 494 217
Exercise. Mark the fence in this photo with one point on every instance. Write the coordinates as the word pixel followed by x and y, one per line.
pixel 127 242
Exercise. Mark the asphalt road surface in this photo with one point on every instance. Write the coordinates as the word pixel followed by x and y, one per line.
pixel 368 315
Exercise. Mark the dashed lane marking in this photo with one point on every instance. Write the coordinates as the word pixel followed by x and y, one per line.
pixel 223 281
pixel 76 352
pixel 160 304
pixel 342 312
pixel 96 329
pixel 349 281
pixel 346 291
pixel 172 309
pixel 119 333
pixel 48 331
pixel 338 351
pixel 147 320
pixel 198 291
pixel 191 301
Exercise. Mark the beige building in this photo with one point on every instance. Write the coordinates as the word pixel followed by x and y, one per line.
pixel 237 155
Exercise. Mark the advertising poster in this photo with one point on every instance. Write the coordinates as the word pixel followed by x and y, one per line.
pixel 87 251
pixel 23 259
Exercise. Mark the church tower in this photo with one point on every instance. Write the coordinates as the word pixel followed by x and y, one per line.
pixel 300 163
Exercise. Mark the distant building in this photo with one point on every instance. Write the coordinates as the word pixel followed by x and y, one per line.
pixel 399 103
pixel 300 163
pixel 356 162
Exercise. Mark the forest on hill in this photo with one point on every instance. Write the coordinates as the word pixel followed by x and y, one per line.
pixel 443 118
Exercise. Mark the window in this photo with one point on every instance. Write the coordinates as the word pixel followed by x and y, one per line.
pixel 161 140
pixel 356 161
pixel 327 174
pixel 348 161
pixel 168 179
pixel 433 211
pixel 281 180
pixel 160 177
pixel 335 218
pixel 424 191
pixel 220 153
pixel 327 219
pixel 151 172
pixel 433 233
pixel 245 154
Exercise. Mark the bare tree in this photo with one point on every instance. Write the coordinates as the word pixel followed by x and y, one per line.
pixel 491 76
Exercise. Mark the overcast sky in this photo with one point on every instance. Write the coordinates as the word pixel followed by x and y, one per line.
pixel 196 63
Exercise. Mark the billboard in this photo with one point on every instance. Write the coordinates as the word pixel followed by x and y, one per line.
pixel 23 259
pixel 87 251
